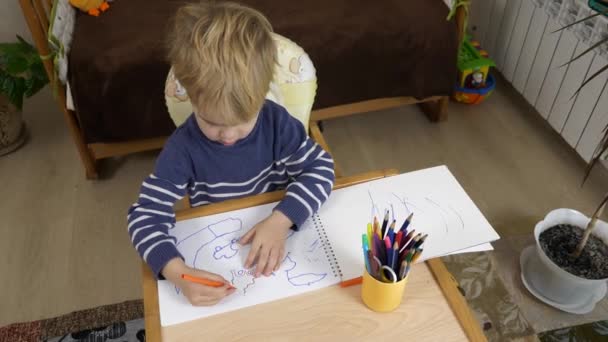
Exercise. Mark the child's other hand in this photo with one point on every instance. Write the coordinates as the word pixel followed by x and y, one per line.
pixel 267 240
pixel 197 294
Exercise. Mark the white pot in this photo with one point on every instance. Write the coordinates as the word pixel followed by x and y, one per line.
pixel 549 282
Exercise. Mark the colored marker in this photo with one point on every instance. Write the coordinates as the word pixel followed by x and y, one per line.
pixel 389 251
pixel 421 241
pixel 417 255
pixel 384 224
pixel 391 231
pixel 406 271
pixel 408 261
pixel 402 269
pixel 382 255
pixel 377 264
pixel 409 256
pixel 368 264
pixel 380 250
pixel 395 256
pixel 407 240
pixel 351 282
pixel 391 235
pixel 398 237
pixel 413 241
pixel 206 282
pixel 406 223
pixel 369 236
pixel 377 227
pixel 365 253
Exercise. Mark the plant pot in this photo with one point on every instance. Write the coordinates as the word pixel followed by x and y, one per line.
pixel 12 128
pixel 550 283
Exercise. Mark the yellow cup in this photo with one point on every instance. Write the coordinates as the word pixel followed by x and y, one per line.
pixel 380 296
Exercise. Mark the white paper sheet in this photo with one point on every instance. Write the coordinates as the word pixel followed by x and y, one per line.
pixel 441 209
pixel 210 243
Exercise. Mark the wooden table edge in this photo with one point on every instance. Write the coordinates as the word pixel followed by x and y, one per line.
pixel 444 279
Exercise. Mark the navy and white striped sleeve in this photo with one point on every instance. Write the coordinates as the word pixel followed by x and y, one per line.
pixel 152 215
pixel 312 171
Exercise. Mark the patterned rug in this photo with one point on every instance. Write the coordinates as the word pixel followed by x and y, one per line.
pixel 491 303
pixel 597 331
pixel 117 322
pixel 496 310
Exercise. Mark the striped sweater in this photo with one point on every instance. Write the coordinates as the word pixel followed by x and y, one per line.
pixel 276 154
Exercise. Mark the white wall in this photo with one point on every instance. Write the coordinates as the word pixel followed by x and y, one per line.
pixel 12 22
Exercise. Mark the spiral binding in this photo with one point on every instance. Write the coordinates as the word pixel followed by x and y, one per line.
pixel 329 250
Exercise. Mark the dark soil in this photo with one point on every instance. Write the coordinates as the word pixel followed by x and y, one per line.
pixel 560 241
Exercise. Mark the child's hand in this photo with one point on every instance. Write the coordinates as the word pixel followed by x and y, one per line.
pixel 267 240
pixel 197 294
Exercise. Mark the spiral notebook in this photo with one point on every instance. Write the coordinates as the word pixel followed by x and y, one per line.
pixel 327 248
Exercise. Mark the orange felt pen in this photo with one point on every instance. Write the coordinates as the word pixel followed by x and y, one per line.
pixel 205 282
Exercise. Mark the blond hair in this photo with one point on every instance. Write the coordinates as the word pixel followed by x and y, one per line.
pixel 223 53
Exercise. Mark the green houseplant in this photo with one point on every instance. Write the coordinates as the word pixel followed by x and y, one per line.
pixel 22 75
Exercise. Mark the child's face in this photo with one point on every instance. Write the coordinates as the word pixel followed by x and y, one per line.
pixel 216 130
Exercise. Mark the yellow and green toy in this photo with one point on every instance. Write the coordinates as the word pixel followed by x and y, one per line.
pixel 474 80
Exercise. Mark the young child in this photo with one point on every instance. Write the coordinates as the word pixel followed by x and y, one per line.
pixel 235 144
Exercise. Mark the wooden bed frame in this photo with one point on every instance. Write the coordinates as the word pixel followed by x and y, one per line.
pixel 37 13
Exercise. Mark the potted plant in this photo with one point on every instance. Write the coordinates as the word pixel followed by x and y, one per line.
pixel 22 74
pixel 568 266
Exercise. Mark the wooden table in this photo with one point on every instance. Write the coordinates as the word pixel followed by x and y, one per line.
pixel 332 313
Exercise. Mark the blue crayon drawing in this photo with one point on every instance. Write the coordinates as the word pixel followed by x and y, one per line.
pixel 226 251
pixel 215 232
pixel 219 242
pixel 303 279
pixel 242 279
pixel 313 246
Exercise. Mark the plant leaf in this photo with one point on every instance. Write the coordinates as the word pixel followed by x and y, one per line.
pixel 602 41
pixel 33 85
pixel 13 49
pixel 580 21
pixel 14 88
pixel 22 71
pixel 602 69
pixel 16 65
